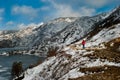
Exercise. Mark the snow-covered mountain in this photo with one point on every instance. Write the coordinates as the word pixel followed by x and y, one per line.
pixel 58 32
pixel 99 61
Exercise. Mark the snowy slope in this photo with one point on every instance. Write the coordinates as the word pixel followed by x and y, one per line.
pixel 75 63
pixel 105 35
pixel 59 32
pixel 68 64
pixel 62 67
pixel 53 33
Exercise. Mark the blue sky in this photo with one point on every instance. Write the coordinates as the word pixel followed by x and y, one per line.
pixel 16 14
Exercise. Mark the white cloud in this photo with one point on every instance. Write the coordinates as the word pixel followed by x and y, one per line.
pixel 84 11
pixel 64 10
pixel 25 10
pixel 97 3
pixel 21 26
pixel 9 23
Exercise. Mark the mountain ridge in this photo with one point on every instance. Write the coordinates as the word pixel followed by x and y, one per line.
pixel 58 32
pixel 100 60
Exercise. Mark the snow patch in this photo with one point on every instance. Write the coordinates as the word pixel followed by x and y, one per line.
pixel 74 73
pixel 98 62
pixel 104 36
pixel 32 73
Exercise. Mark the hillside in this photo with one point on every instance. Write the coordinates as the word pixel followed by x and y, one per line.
pixel 61 31
pixel 100 60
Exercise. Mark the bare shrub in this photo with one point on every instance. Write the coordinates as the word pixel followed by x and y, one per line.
pixel 52 51
pixel 17 69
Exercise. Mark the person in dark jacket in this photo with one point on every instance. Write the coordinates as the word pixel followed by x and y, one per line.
pixel 83 44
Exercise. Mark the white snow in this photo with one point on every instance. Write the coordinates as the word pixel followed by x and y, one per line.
pixel 31 73
pixel 45 71
pixel 90 52
pixel 74 73
pixel 98 62
pixel 60 67
pixel 77 60
pixel 66 48
pixel 4 53
pixel 104 36
pixel 71 52
pixel 69 20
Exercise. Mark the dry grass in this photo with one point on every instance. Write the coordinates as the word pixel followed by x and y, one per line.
pixel 34 65
pixel 111 54
pixel 105 54
pixel 101 73
pixel 113 45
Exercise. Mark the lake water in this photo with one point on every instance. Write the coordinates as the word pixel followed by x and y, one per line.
pixel 7 61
